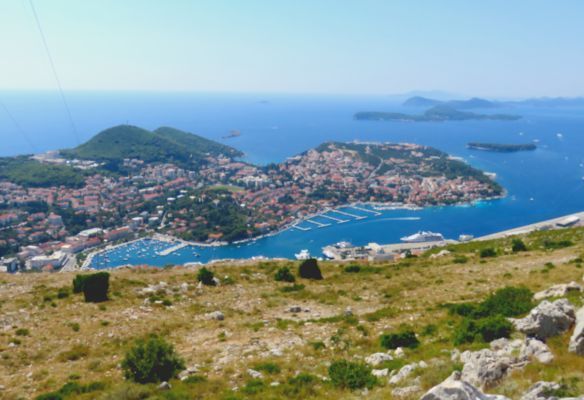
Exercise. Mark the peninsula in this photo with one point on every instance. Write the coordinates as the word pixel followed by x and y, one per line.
pixel 502 148
pixel 438 113
pixel 128 181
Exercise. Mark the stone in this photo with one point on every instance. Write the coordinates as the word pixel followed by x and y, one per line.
pixel 560 290
pixel 380 373
pixel 455 388
pixel 274 384
pixel 533 348
pixel 378 358
pixel 577 338
pixel 348 312
pixel 547 319
pixel 216 315
pixel 406 391
pixel 295 309
pixel 216 281
pixel 399 353
pixel 164 386
pixel 403 373
pixel 255 374
pixel 485 367
pixel 188 372
pixel 538 390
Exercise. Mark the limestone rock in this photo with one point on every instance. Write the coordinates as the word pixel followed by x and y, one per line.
pixel 255 374
pixel 454 388
pixel 380 373
pixel 485 367
pixel 560 290
pixel 216 315
pixel 399 353
pixel 402 374
pixel 538 390
pixel 547 319
pixel 533 348
pixel 164 386
pixel 377 358
pixel 577 339
pixel 405 391
pixel 295 309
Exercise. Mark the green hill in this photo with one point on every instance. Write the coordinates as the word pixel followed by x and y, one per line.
pixel 162 145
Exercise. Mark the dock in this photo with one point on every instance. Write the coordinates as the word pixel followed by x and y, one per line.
pixel 300 228
pixel 348 215
pixel 376 213
pixel 319 224
pixel 172 249
pixel 337 220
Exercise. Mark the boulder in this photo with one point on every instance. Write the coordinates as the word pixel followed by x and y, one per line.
pixel 403 373
pixel 255 374
pixel 295 309
pixel 399 353
pixel 184 374
pixel 164 386
pixel 406 391
pixel 560 290
pixel 377 358
pixel 533 348
pixel 577 338
pixel 547 319
pixel 455 388
pixel 538 391
pixel 380 373
pixel 485 367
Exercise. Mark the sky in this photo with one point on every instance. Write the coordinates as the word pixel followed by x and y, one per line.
pixel 503 49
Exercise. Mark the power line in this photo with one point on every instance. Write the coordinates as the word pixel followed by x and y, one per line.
pixel 56 76
pixel 18 127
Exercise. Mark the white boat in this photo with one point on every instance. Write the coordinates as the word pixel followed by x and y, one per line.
pixel 303 255
pixel 423 236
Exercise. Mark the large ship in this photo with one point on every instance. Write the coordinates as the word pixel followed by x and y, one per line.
pixel 423 236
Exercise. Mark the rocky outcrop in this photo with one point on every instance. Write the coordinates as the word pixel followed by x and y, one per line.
pixel 378 358
pixel 456 388
pixel 404 372
pixel 560 290
pixel 533 348
pixel 216 315
pixel 547 319
pixel 538 391
pixel 577 339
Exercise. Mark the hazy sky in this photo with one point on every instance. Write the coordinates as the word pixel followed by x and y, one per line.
pixel 488 48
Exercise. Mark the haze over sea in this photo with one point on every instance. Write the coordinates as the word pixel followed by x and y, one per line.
pixel 542 184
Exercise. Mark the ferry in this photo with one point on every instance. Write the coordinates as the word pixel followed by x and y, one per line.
pixel 423 236
pixel 303 255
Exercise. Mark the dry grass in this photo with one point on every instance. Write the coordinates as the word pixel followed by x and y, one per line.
pixel 69 339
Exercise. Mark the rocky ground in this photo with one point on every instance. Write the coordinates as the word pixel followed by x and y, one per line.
pixel 250 336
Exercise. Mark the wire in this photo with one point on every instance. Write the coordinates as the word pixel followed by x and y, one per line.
pixel 56 76
pixel 18 127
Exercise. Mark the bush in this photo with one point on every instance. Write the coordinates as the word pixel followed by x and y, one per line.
pixel 292 288
pixel 78 283
pixel 206 277
pixel 349 375
pixel 70 389
pixel 152 360
pixel 352 269
pixel 508 302
pixel 22 332
pixel 403 338
pixel 268 367
pixel 488 252
pixel 95 287
pixel 518 245
pixel 284 275
pixel 486 329
pixel 309 269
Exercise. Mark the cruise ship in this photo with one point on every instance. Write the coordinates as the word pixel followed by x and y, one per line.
pixel 423 236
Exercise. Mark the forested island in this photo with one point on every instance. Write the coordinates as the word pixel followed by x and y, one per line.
pixel 439 113
pixel 502 148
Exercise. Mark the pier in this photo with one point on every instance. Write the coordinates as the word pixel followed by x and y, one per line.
pixel 172 249
pixel 337 220
pixel 348 215
pixel 300 228
pixel 319 224
pixel 376 213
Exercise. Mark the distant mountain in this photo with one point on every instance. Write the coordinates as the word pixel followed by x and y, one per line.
pixel 474 102
pixel 435 114
pixel 162 145
pixel 549 102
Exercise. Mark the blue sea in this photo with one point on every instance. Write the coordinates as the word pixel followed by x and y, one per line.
pixel 542 184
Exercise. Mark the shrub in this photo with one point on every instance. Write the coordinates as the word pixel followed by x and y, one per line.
pixel 75 353
pixel 488 252
pixel 486 329
pixel 309 269
pixel 553 245
pixel 518 245
pixel 95 287
pixel 254 386
pixel 268 367
pixel 78 283
pixel 352 269
pixel 292 288
pixel 22 332
pixel 284 275
pixel 206 277
pixel 509 302
pixel 349 375
pixel 301 386
pixel 70 389
pixel 403 338
pixel 63 293
pixel 152 360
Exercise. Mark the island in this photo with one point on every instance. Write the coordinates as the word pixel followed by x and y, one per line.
pixel 501 148
pixel 475 102
pixel 439 113
pixel 128 181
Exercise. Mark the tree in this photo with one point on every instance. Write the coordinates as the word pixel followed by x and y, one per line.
pixel 309 269
pixel 95 287
pixel 518 245
pixel 152 360
pixel 206 277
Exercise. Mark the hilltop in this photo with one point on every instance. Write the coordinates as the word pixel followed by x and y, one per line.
pixel 161 145
pixel 253 337
pixel 474 102
pixel 438 113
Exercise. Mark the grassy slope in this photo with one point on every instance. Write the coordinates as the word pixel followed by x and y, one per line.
pixel 382 297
